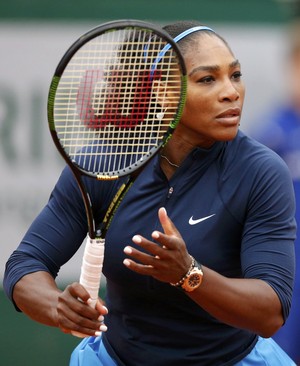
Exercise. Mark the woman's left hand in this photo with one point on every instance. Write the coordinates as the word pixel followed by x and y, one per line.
pixel 167 262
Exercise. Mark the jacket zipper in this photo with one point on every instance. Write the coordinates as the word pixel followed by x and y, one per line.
pixel 170 192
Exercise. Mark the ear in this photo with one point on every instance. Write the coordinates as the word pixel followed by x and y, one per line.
pixel 161 93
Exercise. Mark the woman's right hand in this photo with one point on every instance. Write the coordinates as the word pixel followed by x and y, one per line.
pixel 75 314
pixel 38 296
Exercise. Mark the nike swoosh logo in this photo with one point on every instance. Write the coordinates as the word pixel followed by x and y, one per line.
pixel 194 222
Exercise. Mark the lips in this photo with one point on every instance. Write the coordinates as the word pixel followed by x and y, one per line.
pixel 229 113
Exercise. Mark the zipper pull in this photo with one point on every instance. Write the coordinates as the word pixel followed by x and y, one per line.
pixel 171 190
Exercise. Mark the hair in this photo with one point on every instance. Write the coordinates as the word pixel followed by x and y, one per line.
pixel 189 41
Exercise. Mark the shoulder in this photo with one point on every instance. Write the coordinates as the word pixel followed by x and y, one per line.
pixel 253 178
pixel 250 171
pixel 247 155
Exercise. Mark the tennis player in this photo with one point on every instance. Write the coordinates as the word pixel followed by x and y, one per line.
pixel 199 257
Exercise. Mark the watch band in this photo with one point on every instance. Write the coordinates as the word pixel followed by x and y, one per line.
pixel 181 281
pixel 194 279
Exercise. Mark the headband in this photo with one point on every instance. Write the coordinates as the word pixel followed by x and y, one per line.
pixel 176 39
pixel 191 30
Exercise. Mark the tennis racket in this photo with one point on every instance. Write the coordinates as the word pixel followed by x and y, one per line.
pixel 114 100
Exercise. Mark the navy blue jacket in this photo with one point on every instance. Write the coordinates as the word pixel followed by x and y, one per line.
pixel 246 190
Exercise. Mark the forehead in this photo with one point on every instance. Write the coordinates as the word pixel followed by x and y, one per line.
pixel 207 49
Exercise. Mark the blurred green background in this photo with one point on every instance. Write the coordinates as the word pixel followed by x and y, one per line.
pixel 208 10
pixel 23 342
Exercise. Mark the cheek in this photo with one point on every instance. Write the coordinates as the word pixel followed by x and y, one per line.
pixel 199 105
pixel 196 114
pixel 196 99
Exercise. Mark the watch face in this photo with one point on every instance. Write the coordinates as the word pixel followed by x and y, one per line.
pixel 193 281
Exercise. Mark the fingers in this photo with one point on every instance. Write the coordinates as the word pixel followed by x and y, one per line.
pixel 101 307
pixel 165 258
pixel 146 264
pixel 79 292
pixel 162 264
pixel 166 223
pixel 76 316
pixel 152 247
pixel 170 239
pixel 146 260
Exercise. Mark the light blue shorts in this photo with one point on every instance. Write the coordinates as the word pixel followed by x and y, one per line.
pixel 266 353
pixel 91 352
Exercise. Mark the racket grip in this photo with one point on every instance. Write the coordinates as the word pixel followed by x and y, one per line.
pixel 91 268
pixel 91 271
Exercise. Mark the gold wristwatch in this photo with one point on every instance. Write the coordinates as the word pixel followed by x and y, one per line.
pixel 192 279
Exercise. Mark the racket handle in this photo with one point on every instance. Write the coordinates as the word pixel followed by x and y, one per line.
pixel 91 270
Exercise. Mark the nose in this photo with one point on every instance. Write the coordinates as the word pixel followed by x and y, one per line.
pixel 229 92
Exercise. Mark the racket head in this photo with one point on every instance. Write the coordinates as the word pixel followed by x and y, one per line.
pixel 116 97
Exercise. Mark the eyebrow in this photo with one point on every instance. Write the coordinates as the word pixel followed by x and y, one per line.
pixel 213 68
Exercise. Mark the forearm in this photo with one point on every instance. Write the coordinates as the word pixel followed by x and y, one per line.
pixel 36 294
pixel 243 303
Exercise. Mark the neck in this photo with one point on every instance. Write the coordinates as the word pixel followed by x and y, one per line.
pixel 169 161
pixel 176 151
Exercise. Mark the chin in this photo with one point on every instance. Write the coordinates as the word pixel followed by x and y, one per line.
pixel 228 135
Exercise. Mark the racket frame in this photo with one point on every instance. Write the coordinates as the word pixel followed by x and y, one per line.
pixel 75 168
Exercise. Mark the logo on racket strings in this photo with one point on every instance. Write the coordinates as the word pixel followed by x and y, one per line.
pixel 120 97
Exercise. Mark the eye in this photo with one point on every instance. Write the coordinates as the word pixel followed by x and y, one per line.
pixel 237 76
pixel 206 80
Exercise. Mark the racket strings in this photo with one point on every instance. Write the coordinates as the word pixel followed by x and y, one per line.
pixel 109 98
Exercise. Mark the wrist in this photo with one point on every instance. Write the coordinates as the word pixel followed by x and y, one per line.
pixel 180 282
pixel 192 279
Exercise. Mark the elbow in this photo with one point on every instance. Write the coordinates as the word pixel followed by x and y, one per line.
pixel 270 327
pixel 271 317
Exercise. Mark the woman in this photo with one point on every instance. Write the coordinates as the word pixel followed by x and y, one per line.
pixel 208 279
